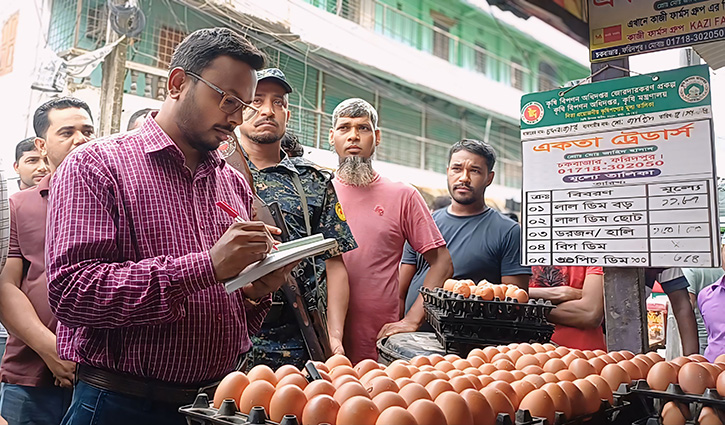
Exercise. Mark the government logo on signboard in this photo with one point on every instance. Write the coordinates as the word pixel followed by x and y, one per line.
pixel 694 89
pixel 532 113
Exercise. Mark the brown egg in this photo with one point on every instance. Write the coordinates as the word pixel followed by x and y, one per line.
pixel 599 352
pixel 576 399
pixel 498 401
pixel 379 385
pixel 549 377
pixel 532 370
pixel 615 375
pixel 487 369
pixel 490 352
pixel 598 364
pixel 720 384
pixel 713 369
pixel 359 411
pixel 632 370
pixel 555 365
pixel 591 395
pixel 672 415
pixel 320 366
pixel 475 361
pixel 232 387
pixel 413 392
pixel 708 416
pixel 617 356
pixel 325 376
pixel 462 364
pixel 694 378
pixel 527 360
pixel 509 294
pixel 423 378
pixel 545 357
pixel 321 409
pixel 444 366
pixel 518 374
pixel 499 292
pixel 287 400
pixel 318 387
pixel 441 375
pixel 507 389
pixel 645 359
pixel 453 373
pixel 500 356
pixel 581 368
pixel 397 371
pixel 396 415
pixel 503 375
pixel 472 371
pixel 460 383
pixel 679 361
pixel 504 364
pixel 365 366
pixel 563 351
pixel 437 387
pixel 565 375
pixel 549 346
pixel 485 380
pixel 536 380
pixel 455 408
pixel 520 296
pixel 340 370
pixel 257 393
pixel 337 360
pixel 628 355
pixel 522 388
pixel 720 358
pixel 570 358
pixel 526 348
pixel 643 367
pixel 654 356
pixel 589 354
pixel 449 284
pixel 337 383
pixel 426 412
pixel 607 359
pixel 538 347
pixel 294 379
pixel 450 358
pixel 285 370
pixel 388 398
pixel 375 373
pixel 419 361
pixel 485 292
pixel 697 358
pixel 349 390
pixel 262 372
pixel 477 352
pixel 540 404
pixel 480 409
pixel 435 358
pixel 561 401
pixel 605 393
pixel 661 375
pixel 514 355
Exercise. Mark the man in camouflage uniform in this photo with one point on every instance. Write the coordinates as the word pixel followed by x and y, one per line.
pixel 294 182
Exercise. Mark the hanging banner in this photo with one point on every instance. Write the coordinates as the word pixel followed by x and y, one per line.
pixel 627 27
pixel 621 173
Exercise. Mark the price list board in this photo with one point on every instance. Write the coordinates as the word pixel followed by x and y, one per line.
pixel 622 191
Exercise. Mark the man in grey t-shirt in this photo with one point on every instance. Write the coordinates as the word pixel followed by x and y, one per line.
pixel 482 242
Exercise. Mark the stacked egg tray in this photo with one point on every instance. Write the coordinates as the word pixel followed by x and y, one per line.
pixel 654 401
pixel 202 413
pixel 462 324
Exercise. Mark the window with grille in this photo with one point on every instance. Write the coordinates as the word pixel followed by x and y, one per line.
pixel 441 41
pixel 350 10
pixel 517 74
pixel 7 44
pixel 169 38
pixel 481 58
pixel 547 77
pixel 96 24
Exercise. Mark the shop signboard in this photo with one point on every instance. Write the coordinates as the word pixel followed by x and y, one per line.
pixel 620 28
pixel 621 173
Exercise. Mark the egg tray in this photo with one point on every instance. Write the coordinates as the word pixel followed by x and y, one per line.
pixel 655 400
pixel 474 307
pixel 202 413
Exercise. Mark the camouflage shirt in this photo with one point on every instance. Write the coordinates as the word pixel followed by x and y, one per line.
pixel 275 184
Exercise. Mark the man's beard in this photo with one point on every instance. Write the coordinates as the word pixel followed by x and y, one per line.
pixel 356 171
pixel 186 117
pixel 266 138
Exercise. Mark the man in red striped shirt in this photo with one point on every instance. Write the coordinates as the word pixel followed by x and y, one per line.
pixel 137 249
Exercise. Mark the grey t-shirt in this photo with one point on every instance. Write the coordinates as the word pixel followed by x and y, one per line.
pixel 484 246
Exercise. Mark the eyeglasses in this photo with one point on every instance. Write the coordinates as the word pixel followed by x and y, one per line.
pixel 229 103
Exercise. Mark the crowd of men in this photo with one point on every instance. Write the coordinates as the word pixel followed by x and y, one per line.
pixel 111 292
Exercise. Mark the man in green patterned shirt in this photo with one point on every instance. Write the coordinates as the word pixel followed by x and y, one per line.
pixel 309 205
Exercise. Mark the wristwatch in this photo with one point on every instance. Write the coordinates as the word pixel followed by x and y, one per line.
pixel 249 300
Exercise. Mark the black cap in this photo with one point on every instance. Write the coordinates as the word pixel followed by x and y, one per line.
pixel 276 74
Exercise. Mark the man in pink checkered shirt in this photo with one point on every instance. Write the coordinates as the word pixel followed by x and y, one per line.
pixel 136 248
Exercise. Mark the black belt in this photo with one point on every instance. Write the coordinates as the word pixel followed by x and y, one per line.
pixel 148 389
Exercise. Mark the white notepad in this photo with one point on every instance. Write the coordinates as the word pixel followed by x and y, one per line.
pixel 287 253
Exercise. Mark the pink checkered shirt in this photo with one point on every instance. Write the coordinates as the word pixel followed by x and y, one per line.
pixel 130 278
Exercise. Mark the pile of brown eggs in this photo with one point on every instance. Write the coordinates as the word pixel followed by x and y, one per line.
pixel 486 290
pixel 694 375
pixel 437 390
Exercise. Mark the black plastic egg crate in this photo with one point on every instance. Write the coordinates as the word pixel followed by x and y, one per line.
pixel 654 401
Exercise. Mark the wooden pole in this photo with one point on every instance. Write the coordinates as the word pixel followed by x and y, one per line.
pixel 114 74
pixel 625 310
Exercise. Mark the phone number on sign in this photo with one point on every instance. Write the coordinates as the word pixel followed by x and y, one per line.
pixel 611 167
